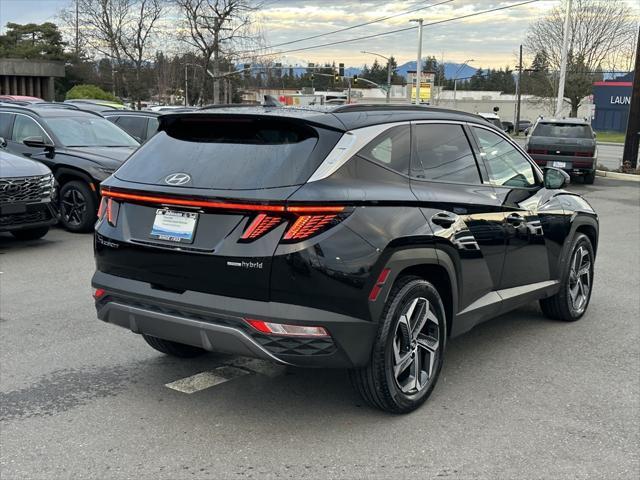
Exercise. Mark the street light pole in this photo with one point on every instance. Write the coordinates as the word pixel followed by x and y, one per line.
pixel 419 21
pixel 388 71
pixel 186 86
pixel 563 60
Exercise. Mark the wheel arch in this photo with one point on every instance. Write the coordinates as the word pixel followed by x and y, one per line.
pixel 429 264
pixel 66 174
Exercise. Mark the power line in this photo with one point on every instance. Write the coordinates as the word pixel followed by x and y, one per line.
pixel 377 20
pixel 339 42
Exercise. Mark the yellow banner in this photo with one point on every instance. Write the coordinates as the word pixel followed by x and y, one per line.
pixel 425 91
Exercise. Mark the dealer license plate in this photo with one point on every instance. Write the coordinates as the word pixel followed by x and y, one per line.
pixel 174 226
pixel 560 164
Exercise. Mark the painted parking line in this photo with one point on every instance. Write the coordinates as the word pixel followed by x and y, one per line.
pixel 203 380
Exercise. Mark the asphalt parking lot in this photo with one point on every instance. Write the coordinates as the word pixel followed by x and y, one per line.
pixel 519 397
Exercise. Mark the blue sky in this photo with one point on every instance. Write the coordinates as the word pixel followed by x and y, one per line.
pixel 491 40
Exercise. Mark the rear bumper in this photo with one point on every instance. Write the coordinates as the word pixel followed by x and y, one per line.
pixel 571 164
pixel 216 323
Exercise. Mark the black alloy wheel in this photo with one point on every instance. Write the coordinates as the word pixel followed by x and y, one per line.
pixel 77 206
pixel 408 351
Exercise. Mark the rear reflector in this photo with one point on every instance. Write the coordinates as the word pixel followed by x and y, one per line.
pixel 287 330
pixel 377 288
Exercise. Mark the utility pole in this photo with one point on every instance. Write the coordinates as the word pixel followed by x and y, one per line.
pixel 516 122
pixel 186 86
pixel 77 30
pixel 632 139
pixel 419 59
pixel 563 60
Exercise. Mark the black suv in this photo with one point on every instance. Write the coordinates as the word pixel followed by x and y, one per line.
pixel 27 192
pixel 140 124
pixel 361 237
pixel 81 149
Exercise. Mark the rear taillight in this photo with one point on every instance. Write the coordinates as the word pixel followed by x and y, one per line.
pixel 261 224
pixel 109 208
pixel 584 154
pixel 98 293
pixel 307 226
pixel 537 151
pixel 287 330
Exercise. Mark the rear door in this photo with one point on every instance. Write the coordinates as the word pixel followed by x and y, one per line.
pixel 201 204
pixel 462 211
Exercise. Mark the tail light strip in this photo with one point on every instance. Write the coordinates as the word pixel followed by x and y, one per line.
pixel 307 221
pixel 251 207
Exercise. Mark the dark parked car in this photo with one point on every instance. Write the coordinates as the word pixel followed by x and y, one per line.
pixel 140 124
pixel 27 190
pixel 523 125
pixel 567 143
pixel 81 149
pixel 507 126
pixel 360 237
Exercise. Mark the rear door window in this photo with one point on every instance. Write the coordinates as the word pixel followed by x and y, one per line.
pixel 228 153
pixel 443 154
pixel 6 120
pixel 133 125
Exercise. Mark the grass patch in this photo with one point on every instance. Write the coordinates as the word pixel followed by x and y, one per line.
pixel 615 137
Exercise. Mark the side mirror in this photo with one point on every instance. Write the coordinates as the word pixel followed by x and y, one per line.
pixel 594 134
pixel 555 178
pixel 36 142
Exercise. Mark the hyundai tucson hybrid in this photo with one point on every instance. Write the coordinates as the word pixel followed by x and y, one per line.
pixel 27 192
pixel 81 149
pixel 567 143
pixel 359 237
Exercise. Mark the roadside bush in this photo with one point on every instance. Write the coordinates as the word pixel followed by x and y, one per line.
pixel 90 91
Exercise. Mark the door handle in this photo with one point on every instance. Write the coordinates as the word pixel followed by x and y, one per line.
pixel 515 219
pixel 444 219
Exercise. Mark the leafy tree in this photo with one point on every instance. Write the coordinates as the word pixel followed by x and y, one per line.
pixel 32 41
pixel 90 91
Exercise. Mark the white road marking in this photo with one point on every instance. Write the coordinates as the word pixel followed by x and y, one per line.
pixel 203 380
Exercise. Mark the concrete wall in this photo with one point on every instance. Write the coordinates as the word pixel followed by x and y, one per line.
pixel 34 78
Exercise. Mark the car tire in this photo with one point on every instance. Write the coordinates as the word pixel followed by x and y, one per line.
pixel 589 178
pixel 572 301
pixel 174 349
pixel 78 206
pixel 411 338
pixel 30 233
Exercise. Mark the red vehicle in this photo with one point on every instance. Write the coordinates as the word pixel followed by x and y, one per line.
pixel 20 98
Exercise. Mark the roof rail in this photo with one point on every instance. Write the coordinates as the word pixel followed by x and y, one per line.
pixel 365 107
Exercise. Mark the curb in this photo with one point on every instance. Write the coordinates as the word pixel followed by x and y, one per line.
pixel 618 176
pixel 614 144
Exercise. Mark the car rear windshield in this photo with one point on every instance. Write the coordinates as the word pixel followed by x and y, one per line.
pixel 226 153
pixel 563 130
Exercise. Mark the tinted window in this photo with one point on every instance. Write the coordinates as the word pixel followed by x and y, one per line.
pixel 5 123
pixel 392 149
pixel 563 130
pixel 134 126
pixel 227 153
pixel 89 131
pixel 443 154
pixel 152 127
pixel 24 127
pixel 506 166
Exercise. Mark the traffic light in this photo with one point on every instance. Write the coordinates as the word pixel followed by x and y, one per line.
pixel 336 77
pixel 355 79
pixel 312 77
pixel 341 69
pixel 246 70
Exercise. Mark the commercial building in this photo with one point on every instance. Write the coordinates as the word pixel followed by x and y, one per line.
pixel 612 100
pixel 34 78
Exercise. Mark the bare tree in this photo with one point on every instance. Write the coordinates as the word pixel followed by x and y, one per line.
pixel 598 30
pixel 214 28
pixel 121 30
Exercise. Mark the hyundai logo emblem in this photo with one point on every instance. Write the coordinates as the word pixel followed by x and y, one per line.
pixel 177 179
